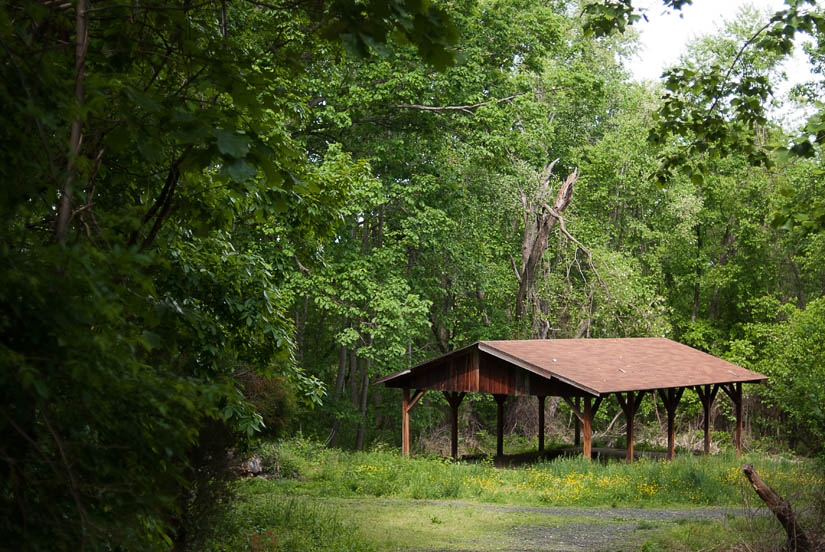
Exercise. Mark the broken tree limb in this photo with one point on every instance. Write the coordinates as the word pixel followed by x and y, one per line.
pixel 798 540
pixel 538 225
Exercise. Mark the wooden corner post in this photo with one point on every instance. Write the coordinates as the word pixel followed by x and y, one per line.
pixel 406 405
pixel 405 423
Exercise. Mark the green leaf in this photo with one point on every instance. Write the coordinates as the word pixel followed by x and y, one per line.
pixel 234 145
pixel 239 170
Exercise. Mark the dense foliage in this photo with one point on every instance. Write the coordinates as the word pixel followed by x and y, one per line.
pixel 216 214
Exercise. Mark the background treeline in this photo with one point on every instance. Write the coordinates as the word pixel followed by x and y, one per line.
pixel 213 205
pixel 452 240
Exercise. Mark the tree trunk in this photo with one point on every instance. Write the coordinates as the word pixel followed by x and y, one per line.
pixel 301 314
pixel 339 389
pixel 64 205
pixel 353 377
pixel 365 382
pixel 727 250
pixel 798 540
pixel 538 222
pixel 695 311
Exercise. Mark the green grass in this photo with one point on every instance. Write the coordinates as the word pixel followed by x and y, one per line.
pixel 688 481
pixel 762 534
pixel 379 501
pixel 261 522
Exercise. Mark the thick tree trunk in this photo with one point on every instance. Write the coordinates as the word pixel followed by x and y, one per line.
pixel 798 540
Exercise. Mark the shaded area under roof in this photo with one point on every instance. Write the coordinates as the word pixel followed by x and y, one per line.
pixel 592 366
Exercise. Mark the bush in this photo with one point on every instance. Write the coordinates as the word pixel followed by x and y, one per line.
pixel 274 399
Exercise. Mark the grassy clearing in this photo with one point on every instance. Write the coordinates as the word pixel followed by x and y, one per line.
pixel 378 501
pixel 263 522
pixel 688 481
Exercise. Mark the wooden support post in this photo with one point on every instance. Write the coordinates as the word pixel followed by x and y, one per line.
pixel 738 400
pixel 577 439
pixel 406 405
pixel 630 406
pixel 541 422
pixel 587 429
pixel 671 398
pixel 405 423
pixel 734 391
pixel 707 394
pixel 586 417
pixel 500 424
pixel 454 399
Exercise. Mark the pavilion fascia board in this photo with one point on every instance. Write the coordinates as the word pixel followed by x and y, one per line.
pixel 437 360
pixel 485 348
pixel 530 367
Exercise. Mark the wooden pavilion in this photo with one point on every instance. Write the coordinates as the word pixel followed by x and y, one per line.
pixel 582 372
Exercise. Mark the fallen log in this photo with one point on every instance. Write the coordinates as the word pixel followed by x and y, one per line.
pixel 798 540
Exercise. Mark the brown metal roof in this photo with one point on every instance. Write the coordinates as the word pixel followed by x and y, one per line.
pixel 601 366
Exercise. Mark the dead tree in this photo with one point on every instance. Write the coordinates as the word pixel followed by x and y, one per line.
pixel 539 220
pixel 798 540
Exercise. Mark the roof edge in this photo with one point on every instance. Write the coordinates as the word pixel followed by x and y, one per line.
pixel 445 356
pixel 530 367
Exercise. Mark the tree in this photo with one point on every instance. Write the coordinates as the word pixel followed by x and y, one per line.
pixel 145 146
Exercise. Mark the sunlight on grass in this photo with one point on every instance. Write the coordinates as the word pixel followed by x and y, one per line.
pixel 685 482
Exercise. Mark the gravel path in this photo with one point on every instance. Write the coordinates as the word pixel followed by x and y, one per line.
pixel 611 528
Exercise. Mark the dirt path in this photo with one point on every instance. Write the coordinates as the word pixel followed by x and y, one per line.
pixel 592 529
